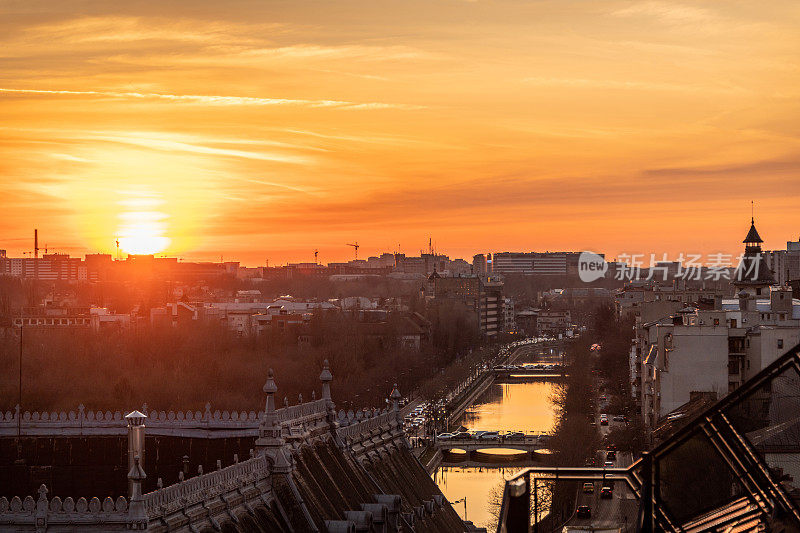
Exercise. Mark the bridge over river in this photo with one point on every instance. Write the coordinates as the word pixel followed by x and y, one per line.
pixel 470 445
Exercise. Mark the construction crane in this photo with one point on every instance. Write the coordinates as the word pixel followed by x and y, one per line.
pixel 316 254
pixel 355 247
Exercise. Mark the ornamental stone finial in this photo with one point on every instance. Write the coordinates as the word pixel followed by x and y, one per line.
pixel 300 398
pixel 326 377
pixel 269 386
pixel 41 503
pixel 395 396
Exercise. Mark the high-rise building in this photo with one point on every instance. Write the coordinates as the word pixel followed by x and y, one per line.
pixel 536 263
pixel 479 265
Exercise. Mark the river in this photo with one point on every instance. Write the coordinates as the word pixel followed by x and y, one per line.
pixel 523 407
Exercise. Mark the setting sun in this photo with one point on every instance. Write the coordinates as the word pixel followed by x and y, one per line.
pixel 142 232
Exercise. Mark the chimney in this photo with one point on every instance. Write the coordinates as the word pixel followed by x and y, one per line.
pixel 135 421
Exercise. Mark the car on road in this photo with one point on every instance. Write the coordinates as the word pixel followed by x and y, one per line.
pixel 588 488
pixel 462 435
pixel 619 418
pixel 444 436
pixel 611 455
pixel 611 447
pixel 606 492
pixel 609 464
pixel 489 435
pixel 583 511
pixel 515 435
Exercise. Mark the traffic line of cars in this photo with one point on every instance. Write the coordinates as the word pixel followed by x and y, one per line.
pixel 530 366
pixel 606 489
pixel 615 418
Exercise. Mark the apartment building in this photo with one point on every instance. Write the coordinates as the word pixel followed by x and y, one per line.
pixel 482 294
pixel 536 263
pixel 712 347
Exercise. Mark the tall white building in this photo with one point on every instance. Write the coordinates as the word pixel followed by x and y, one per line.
pixel 714 349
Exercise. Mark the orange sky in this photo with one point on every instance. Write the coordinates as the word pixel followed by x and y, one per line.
pixel 267 129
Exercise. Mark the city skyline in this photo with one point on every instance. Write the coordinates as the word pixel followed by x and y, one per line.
pixel 255 131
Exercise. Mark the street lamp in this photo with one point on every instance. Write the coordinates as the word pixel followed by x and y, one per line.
pixel 464 501
pixel 19 399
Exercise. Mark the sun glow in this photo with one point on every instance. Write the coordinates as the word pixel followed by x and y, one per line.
pixel 143 243
pixel 142 230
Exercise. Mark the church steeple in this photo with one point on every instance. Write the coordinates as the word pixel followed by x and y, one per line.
pixel 753 238
pixel 753 273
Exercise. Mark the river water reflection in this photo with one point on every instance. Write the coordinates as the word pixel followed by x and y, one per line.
pixel 523 407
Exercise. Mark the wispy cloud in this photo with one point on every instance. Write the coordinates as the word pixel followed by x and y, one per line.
pixel 630 85
pixel 214 100
pixel 176 146
pixel 669 12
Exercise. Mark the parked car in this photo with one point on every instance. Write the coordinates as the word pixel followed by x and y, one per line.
pixel 606 492
pixel 588 488
pixel 618 418
pixel 584 511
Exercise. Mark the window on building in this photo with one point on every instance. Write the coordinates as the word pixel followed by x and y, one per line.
pixel 733 366
pixel 780 344
pixel 758 291
pixel 732 386
pixel 716 321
